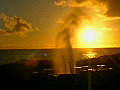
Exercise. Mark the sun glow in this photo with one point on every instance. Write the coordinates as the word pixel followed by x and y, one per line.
pixel 89 35
pixel 95 34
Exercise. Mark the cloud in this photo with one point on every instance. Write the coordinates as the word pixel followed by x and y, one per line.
pixel 96 12
pixel 110 8
pixel 15 25
pixel 70 3
pixel 114 8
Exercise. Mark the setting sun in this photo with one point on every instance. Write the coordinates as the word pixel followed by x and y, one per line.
pixel 88 35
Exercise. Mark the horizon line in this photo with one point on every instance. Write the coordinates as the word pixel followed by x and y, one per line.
pixel 52 48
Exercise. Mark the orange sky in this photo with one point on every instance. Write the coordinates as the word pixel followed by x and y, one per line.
pixel 46 19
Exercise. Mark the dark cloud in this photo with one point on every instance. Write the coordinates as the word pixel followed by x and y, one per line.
pixel 114 8
pixel 15 25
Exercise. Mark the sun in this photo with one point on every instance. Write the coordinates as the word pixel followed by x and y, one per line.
pixel 89 35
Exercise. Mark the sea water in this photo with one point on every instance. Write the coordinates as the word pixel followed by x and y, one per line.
pixel 7 56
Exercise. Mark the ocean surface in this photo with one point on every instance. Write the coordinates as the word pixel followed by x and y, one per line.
pixel 9 56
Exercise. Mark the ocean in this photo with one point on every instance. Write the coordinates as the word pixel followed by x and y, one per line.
pixel 9 56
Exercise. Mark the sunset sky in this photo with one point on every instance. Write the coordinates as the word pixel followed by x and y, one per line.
pixel 34 24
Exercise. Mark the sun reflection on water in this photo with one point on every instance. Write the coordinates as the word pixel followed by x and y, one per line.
pixel 90 54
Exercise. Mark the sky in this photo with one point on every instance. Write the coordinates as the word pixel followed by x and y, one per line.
pixel 34 24
pixel 40 14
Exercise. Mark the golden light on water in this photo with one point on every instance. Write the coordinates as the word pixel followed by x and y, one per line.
pixel 90 55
